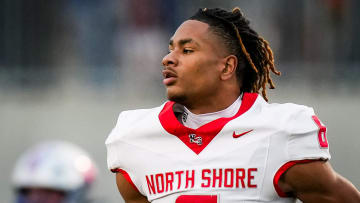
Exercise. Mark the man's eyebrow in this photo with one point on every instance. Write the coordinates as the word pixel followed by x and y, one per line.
pixel 182 42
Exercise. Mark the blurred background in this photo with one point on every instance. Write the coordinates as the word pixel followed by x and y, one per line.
pixel 67 68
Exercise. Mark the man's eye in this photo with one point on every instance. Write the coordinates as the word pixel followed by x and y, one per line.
pixel 188 51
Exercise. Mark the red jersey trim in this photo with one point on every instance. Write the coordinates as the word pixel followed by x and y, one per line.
pixel 208 131
pixel 126 176
pixel 282 170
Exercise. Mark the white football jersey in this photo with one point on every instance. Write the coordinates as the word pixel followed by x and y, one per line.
pixel 237 159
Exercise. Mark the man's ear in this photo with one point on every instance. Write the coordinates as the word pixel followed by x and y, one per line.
pixel 229 68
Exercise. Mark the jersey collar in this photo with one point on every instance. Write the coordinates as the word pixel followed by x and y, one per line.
pixel 206 132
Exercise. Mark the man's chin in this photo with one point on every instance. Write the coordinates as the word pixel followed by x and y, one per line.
pixel 178 98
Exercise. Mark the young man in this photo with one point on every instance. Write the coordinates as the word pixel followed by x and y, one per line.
pixel 217 139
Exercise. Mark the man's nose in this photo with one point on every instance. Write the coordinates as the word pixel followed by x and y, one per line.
pixel 169 60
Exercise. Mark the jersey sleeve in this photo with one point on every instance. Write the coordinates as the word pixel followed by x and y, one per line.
pixel 117 145
pixel 305 142
pixel 118 152
pixel 307 137
pixel 112 143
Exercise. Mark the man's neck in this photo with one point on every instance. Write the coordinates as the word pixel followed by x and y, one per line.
pixel 194 121
pixel 212 104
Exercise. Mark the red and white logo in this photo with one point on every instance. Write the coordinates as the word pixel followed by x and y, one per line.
pixel 195 139
pixel 241 134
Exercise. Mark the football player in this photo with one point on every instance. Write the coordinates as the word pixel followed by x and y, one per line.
pixel 54 172
pixel 217 139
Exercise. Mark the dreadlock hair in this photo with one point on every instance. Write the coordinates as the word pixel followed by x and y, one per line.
pixel 255 58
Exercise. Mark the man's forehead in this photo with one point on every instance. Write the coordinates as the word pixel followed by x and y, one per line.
pixel 191 31
pixel 183 41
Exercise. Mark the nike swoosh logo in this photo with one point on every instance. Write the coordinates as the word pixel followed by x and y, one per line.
pixel 239 135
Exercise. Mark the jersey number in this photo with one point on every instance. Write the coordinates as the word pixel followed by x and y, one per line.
pixel 322 133
pixel 197 199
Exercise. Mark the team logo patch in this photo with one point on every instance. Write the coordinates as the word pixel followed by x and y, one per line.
pixel 195 139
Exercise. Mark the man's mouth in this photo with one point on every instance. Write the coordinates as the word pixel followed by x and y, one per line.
pixel 169 77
